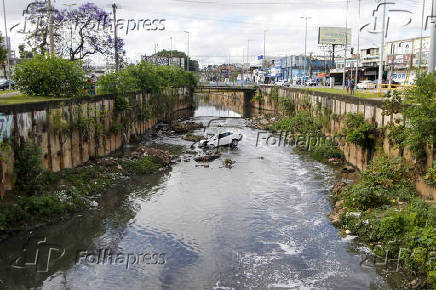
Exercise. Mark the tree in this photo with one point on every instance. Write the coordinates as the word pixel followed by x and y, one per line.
pixel 50 76
pixel 24 54
pixel 78 33
pixel 3 53
pixel 421 116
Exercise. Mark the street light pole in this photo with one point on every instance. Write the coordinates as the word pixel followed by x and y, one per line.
pixel 8 68
pixel 346 47
pixel 382 47
pixel 358 48
pixel 50 27
pixel 187 58
pixel 432 58
pixel 305 48
pixel 264 47
pixel 420 41
pixel 117 65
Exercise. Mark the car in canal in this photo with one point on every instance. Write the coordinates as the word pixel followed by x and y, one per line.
pixel 222 139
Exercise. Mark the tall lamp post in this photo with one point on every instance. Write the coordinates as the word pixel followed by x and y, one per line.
pixel 432 58
pixel 8 68
pixel 187 58
pixel 305 48
pixel 71 29
pixel 382 47
pixel 264 47
pixel 117 64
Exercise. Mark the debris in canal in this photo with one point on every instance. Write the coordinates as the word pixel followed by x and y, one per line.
pixel 228 163
pixel 208 158
pixel 193 138
pixel 185 127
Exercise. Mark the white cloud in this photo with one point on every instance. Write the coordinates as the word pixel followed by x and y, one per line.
pixel 221 28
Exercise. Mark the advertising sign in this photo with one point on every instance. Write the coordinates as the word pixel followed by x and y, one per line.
pixel 334 35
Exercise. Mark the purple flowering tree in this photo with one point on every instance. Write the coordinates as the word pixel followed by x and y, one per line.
pixel 79 33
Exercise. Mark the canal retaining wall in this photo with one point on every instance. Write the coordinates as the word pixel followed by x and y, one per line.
pixel 339 105
pixel 73 131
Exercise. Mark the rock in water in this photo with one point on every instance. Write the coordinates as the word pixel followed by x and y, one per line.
pixel 207 158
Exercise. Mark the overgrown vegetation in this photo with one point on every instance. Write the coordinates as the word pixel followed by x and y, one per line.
pixel 275 93
pixel 258 97
pixel 384 212
pixel 301 123
pixel 326 152
pixel 50 76
pixel 146 77
pixel 40 195
pixel 358 131
pixel 288 106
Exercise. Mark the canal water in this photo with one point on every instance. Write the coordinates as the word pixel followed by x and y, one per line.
pixel 261 224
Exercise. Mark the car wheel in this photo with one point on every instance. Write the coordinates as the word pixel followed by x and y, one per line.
pixel 234 143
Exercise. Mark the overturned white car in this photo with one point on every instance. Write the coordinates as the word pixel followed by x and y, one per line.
pixel 222 139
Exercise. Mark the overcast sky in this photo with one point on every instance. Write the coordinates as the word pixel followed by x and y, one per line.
pixel 220 29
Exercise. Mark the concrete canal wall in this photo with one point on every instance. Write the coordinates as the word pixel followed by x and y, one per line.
pixel 241 101
pixel 73 131
pixel 339 105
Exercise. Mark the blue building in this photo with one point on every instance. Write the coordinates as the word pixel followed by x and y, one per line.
pixel 292 67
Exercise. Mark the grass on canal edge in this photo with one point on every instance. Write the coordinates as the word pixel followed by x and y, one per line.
pixel 357 93
pixel 21 99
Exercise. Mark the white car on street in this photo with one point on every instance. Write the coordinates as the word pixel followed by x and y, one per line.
pixel 280 83
pixel 366 85
pixel 222 139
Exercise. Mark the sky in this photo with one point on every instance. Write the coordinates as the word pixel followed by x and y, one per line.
pixel 220 30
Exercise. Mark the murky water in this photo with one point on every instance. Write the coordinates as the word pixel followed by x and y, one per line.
pixel 262 224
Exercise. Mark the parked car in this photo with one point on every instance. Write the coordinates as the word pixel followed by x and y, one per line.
pixel 311 83
pixel 366 85
pixel 4 84
pixel 223 139
pixel 287 84
pixel 279 83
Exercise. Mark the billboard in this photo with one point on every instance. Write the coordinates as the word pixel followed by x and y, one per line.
pixel 334 35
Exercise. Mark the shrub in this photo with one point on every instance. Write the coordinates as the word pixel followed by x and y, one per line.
pixel 358 131
pixel 430 177
pixel 302 122
pixel 385 181
pixel 146 77
pixel 50 76
pixel 288 106
pixel 326 151
pixel 275 93
pixel 145 165
pixel 32 178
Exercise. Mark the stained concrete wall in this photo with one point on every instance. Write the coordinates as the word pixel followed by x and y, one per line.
pixel 34 122
pixel 341 105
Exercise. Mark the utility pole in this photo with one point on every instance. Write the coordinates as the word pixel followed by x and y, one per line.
pixel 264 47
pixel 346 46
pixel 420 41
pixel 8 45
pixel 50 27
pixel 117 61
pixel 432 58
pixel 187 58
pixel 171 51
pixel 382 47
pixel 305 48
pixel 358 47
